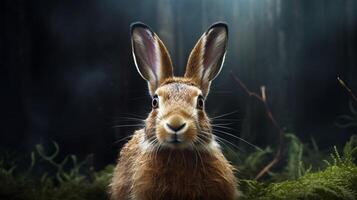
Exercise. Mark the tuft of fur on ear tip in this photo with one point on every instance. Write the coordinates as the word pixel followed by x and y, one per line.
pixel 135 25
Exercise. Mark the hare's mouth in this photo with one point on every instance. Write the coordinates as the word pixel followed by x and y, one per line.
pixel 175 131
pixel 176 139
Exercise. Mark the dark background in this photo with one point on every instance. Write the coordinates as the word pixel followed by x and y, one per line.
pixel 67 73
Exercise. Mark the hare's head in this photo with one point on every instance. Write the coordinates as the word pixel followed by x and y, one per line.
pixel 178 118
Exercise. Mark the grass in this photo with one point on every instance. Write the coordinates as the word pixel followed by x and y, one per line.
pixel 302 177
pixel 65 180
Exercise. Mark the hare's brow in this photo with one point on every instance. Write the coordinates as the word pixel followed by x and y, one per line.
pixel 179 81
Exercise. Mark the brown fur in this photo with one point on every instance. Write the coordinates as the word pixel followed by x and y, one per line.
pixel 194 63
pixel 204 62
pixel 171 174
pixel 151 165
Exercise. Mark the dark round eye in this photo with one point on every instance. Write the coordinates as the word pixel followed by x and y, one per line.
pixel 200 102
pixel 155 102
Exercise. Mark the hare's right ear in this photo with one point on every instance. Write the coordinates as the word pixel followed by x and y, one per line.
pixel 151 57
pixel 207 57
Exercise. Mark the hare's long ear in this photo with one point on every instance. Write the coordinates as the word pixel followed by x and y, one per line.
pixel 151 57
pixel 207 57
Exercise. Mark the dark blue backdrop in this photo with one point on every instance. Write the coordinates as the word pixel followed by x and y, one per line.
pixel 67 73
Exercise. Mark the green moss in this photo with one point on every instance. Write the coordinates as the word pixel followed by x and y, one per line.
pixel 69 179
pixel 335 182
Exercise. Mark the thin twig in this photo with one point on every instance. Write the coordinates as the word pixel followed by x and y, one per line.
pixel 263 99
pixel 343 84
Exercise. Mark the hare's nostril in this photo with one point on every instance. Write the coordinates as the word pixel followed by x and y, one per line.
pixel 176 128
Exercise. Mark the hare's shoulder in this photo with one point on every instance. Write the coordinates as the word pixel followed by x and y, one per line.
pixel 122 178
pixel 132 147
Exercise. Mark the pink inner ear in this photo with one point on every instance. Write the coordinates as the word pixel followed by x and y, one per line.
pixel 214 47
pixel 147 50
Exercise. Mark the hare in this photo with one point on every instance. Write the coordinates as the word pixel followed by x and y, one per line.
pixel 175 156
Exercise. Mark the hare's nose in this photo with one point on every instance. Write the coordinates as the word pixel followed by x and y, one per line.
pixel 176 128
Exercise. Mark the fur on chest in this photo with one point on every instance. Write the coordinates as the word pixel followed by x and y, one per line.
pixel 183 174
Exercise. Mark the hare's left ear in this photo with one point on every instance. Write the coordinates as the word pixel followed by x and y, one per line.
pixel 207 57
pixel 151 57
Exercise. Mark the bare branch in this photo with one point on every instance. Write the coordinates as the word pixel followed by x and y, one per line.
pixel 263 99
pixel 343 84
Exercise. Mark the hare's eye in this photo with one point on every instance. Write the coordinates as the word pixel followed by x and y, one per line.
pixel 200 102
pixel 155 102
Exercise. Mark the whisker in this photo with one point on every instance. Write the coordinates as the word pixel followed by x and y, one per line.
pixel 196 157
pixel 225 127
pixel 222 124
pixel 233 120
pixel 202 143
pixel 128 125
pixel 127 121
pixel 228 146
pixel 223 140
pixel 157 151
pixel 136 115
pixel 225 114
pixel 199 154
pixel 239 138
pixel 153 146
pixel 122 139
pixel 132 118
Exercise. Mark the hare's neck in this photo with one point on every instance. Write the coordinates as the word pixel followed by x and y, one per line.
pixel 179 160
pixel 190 158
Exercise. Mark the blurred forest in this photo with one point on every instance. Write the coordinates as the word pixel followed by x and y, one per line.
pixel 67 73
